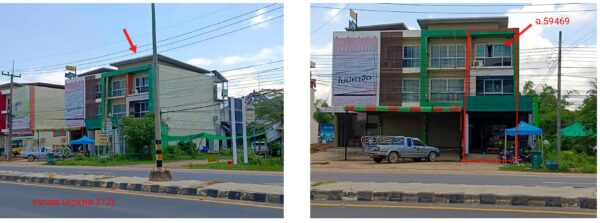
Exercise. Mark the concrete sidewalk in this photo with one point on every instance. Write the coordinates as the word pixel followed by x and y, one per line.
pixel 214 189
pixel 456 193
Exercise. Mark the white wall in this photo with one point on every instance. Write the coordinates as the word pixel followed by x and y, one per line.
pixel 49 114
pixel 181 89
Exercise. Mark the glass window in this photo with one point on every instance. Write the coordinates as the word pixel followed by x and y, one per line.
pixel 446 90
pixel 118 88
pixel 412 56
pixel 97 91
pixel 141 84
pixel 410 90
pixel 418 143
pixel 493 55
pixel 118 110
pixel 408 142
pixel 447 56
pixel 497 85
pixel 140 108
pixel 97 111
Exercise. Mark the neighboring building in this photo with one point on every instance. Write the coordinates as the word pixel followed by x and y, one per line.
pixel 393 81
pixel 188 98
pixel 38 115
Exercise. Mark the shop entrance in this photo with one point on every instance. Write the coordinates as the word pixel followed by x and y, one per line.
pixel 486 130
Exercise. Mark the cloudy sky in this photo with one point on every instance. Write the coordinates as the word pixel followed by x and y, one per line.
pixel 538 45
pixel 43 38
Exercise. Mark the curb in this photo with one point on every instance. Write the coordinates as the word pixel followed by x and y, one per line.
pixel 455 198
pixel 154 188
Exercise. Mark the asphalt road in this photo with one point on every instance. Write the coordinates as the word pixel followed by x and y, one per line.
pixel 460 178
pixel 204 175
pixel 18 202
pixel 414 211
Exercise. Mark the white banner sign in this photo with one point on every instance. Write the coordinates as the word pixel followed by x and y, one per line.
pixel 75 102
pixel 355 71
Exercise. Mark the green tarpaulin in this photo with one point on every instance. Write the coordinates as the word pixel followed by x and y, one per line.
pixel 574 130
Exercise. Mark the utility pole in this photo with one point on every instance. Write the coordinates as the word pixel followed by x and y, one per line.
pixel 12 75
pixel 558 97
pixel 158 174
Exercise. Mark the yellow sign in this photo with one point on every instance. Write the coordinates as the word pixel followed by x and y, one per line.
pixel 101 138
pixel 353 15
pixel 70 68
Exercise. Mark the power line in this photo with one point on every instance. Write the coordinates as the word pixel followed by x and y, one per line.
pixel 331 19
pixel 457 13
pixel 46 68
pixel 478 5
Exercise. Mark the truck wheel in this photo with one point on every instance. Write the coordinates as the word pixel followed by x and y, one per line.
pixel 393 157
pixel 30 158
pixel 417 159
pixel 431 157
pixel 377 160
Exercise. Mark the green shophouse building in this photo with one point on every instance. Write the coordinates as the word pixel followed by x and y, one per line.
pixel 190 104
pixel 453 84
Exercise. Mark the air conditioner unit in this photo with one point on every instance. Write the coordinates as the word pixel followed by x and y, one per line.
pixel 224 93
pixel 134 91
pixel 477 63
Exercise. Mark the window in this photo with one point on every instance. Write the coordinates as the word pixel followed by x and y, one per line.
pixel 118 88
pixel 97 91
pixel 393 56
pixel 140 108
pixel 446 90
pixel 398 141
pixel 418 143
pixel 499 85
pixel 97 111
pixel 141 84
pixel 493 55
pixel 118 110
pixel 412 56
pixel 408 142
pixel 447 56
pixel 410 90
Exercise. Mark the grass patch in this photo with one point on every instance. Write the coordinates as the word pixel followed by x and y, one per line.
pixel 101 162
pixel 524 168
pixel 239 166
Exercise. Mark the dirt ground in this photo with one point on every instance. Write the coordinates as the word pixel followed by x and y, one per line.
pixel 333 159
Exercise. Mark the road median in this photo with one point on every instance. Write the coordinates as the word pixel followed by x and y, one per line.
pixel 223 190
pixel 456 194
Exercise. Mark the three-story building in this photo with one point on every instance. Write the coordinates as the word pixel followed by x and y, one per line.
pixel 454 83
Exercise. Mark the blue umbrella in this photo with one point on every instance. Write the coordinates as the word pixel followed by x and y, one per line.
pixel 83 140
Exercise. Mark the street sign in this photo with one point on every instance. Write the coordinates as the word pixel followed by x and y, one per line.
pixel 69 75
pixel 354 15
pixel 70 68
pixel 101 138
pixel 352 25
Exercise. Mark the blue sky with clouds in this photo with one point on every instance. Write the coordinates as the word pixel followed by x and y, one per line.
pixel 581 31
pixel 42 37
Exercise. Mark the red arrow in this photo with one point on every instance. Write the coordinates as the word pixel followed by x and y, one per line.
pixel 132 47
pixel 510 41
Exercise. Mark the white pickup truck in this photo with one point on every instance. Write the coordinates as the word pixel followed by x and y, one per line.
pixel 36 153
pixel 394 148
pixel 42 153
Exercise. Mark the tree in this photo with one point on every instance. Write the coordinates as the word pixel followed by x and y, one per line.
pixel 322 117
pixel 587 111
pixel 270 109
pixel 137 133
